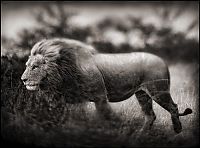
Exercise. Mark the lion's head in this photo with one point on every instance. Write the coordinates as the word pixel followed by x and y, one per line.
pixel 53 62
pixel 41 66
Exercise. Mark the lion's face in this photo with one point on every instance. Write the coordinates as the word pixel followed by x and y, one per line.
pixel 35 73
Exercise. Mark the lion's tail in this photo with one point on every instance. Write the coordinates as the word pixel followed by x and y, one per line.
pixel 186 112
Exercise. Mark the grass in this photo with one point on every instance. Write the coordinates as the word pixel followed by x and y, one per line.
pixel 83 128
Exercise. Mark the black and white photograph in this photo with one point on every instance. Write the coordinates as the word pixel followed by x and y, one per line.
pixel 99 74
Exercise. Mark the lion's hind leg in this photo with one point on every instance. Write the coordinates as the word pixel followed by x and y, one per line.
pixel 145 102
pixel 165 101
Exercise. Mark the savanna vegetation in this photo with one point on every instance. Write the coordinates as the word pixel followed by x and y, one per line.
pixel 24 116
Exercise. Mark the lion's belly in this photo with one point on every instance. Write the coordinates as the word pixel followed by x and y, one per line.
pixel 116 92
pixel 121 74
pixel 119 87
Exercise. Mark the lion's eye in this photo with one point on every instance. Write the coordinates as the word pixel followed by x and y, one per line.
pixel 34 67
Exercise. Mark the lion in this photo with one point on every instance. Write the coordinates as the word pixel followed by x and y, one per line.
pixel 80 72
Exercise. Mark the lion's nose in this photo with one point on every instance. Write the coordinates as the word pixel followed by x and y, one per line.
pixel 24 79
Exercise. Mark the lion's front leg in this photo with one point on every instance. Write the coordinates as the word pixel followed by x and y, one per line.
pixel 103 109
pixel 95 87
pixel 105 112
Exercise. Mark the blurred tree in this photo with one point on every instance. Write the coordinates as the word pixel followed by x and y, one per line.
pixel 54 21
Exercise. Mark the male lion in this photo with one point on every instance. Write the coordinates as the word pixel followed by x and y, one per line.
pixel 79 72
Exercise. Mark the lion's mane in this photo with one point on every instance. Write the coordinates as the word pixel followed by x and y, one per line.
pixel 62 58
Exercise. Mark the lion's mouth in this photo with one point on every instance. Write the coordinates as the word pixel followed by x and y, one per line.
pixel 31 86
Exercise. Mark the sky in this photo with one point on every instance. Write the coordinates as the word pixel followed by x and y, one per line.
pixel 18 15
